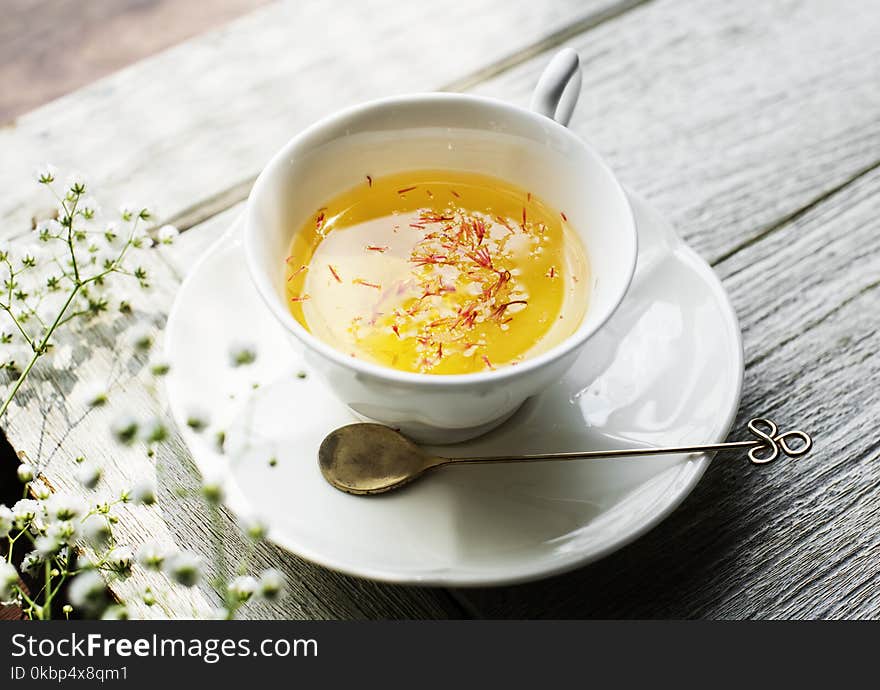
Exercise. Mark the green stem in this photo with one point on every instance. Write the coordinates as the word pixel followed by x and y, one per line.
pixel 38 350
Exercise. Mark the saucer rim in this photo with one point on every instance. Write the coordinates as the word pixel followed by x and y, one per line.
pixel 691 470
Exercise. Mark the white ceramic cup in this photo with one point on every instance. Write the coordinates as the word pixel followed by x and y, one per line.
pixel 458 132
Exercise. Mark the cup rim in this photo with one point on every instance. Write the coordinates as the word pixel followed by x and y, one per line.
pixel 268 294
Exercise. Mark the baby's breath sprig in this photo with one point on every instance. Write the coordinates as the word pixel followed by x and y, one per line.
pixel 66 274
pixel 63 278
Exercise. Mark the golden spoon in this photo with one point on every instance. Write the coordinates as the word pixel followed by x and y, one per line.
pixel 372 458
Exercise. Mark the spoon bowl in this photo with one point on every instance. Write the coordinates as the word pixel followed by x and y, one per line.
pixel 371 459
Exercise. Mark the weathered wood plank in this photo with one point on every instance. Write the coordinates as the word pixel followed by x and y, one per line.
pixel 797 539
pixel 202 118
pixel 728 118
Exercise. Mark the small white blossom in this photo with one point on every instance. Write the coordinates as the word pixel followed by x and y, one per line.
pixel 119 559
pixel 65 506
pixel 94 394
pixel 167 234
pixel 159 366
pixel 140 238
pixel 117 612
pixel 7 519
pixel 271 584
pixel 213 489
pixel 151 555
pixel 153 431
pixel 89 474
pixel 242 588
pixel 45 174
pixel 96 530
pixel 254 526
pixel 25 472
pixel 48 228
pixel 32 255
pixel 47 546
pixel 24 511
pixel 87 590
pixel 144 492
pixel 88 206
pixel 31 562
pixel 41 491
pixel 184 568
pixel 141 338
pixel 8 579
pixel 76 183
pixel 64 531
pixel 197 418
pixel 242 353
pixel 124 429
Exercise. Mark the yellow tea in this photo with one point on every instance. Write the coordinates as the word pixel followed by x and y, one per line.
pixel 438 272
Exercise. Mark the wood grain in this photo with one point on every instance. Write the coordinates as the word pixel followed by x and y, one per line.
pixel 728 119
pixel 208 114
pixel 797 539
pixel 52 47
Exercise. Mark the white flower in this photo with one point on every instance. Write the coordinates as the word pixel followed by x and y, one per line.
pixel 7 519
pixel 25 472
pixel 41 491
pixel 88 206
pixel 87 590
pixel 31 562
pixel 94 393
pixel 32 255
pixel 242 588
pixel 167 234
pixel 140 238
pixel 128 211
pixel 47 546
pixel 65 506
pixel 271 583
pixel 159 366
pixel 48 227
pixel 197 418
pixel 89 474
pixel 64 531
pixel 144 492
pixel 151 555
pixel 24 511
pixel 213 489
pixel 124 429
pixel 8 579
pixel 96 530
pixel 119 559
pixel 153 431
pixel 76 183
pixel 254 526
pixel 45 174
pixel 184 568
pixel 141 337
pixel 242 353
pixel 117 612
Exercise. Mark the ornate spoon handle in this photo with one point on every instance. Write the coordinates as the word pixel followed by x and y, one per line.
pixel 765 448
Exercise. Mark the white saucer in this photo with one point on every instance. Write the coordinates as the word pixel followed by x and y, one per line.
pixel 675 378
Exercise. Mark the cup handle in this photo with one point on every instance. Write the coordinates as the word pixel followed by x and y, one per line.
pixel 558 87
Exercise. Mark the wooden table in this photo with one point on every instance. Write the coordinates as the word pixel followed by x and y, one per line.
pixel 755 129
